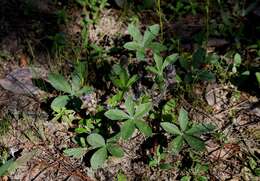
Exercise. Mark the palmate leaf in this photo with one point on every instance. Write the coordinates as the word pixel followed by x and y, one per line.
pixel 143 127
pixel 59 83
pixel 116 114
pixel 115 150
pixel 171 128
pixel 127 129
pixel 183 119
pixel 75 152
pixel 96 140
pixel 98 158
pixel 194 142
pixel 141 110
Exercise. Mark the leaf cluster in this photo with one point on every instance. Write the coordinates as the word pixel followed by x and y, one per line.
pixel 141 42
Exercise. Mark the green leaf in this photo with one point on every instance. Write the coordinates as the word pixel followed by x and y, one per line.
pixel 59 83
pixel 6 166
pixel 134 32
pixel 121 177
pixel 237 60
pixel 116 114
pixel 176 144
pixel 158 61
pixel 150 34
pixel 257 74
pixel 98 158
pixel 154 29
pixel 141 110
pixel 170 60
pixel 199 129
pixel 123 77
pixel 194 142
pixel 140 54
pixel 132 46
pixel 75 152
pixel 205 75
pixel 129 105
pixel 114 100
pixel 81 70
pixel 202 178
pixel 165 166
pixel 115 150
pixel 96 140
pixel 79 75
pixel 198 58
pixel 169 106
pixel 157 47
pixel 257 172
pixel 132 80
pixel 75 82
pixel 171 128
pixel 184 63
pixel 183 119
pixel 21 161
pixel 152 69
pixel 144 127
pixel 127 129
pixel 59 102
pixel 84 90
pixel 186 178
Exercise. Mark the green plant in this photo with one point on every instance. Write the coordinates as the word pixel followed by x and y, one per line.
pixel 158 157
pixel 257 74
pixel 122 80
pixel 12 164
pixel 5 125
pixel 87 125
pixel 197 173
pixel 159 67
pixel 94 7
pixel 181 8
pixel 141 42
pixel 254 166
pixel 103 148
pixel 236 63
pixel 62 17
pixel 187 134
pixel 75 87
pixel 133 118
pixel 121 176
pixel 196 68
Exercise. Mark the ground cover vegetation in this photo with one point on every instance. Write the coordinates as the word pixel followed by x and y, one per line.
pixel 130 90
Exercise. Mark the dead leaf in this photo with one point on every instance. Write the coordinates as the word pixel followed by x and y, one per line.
pixel 23 61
